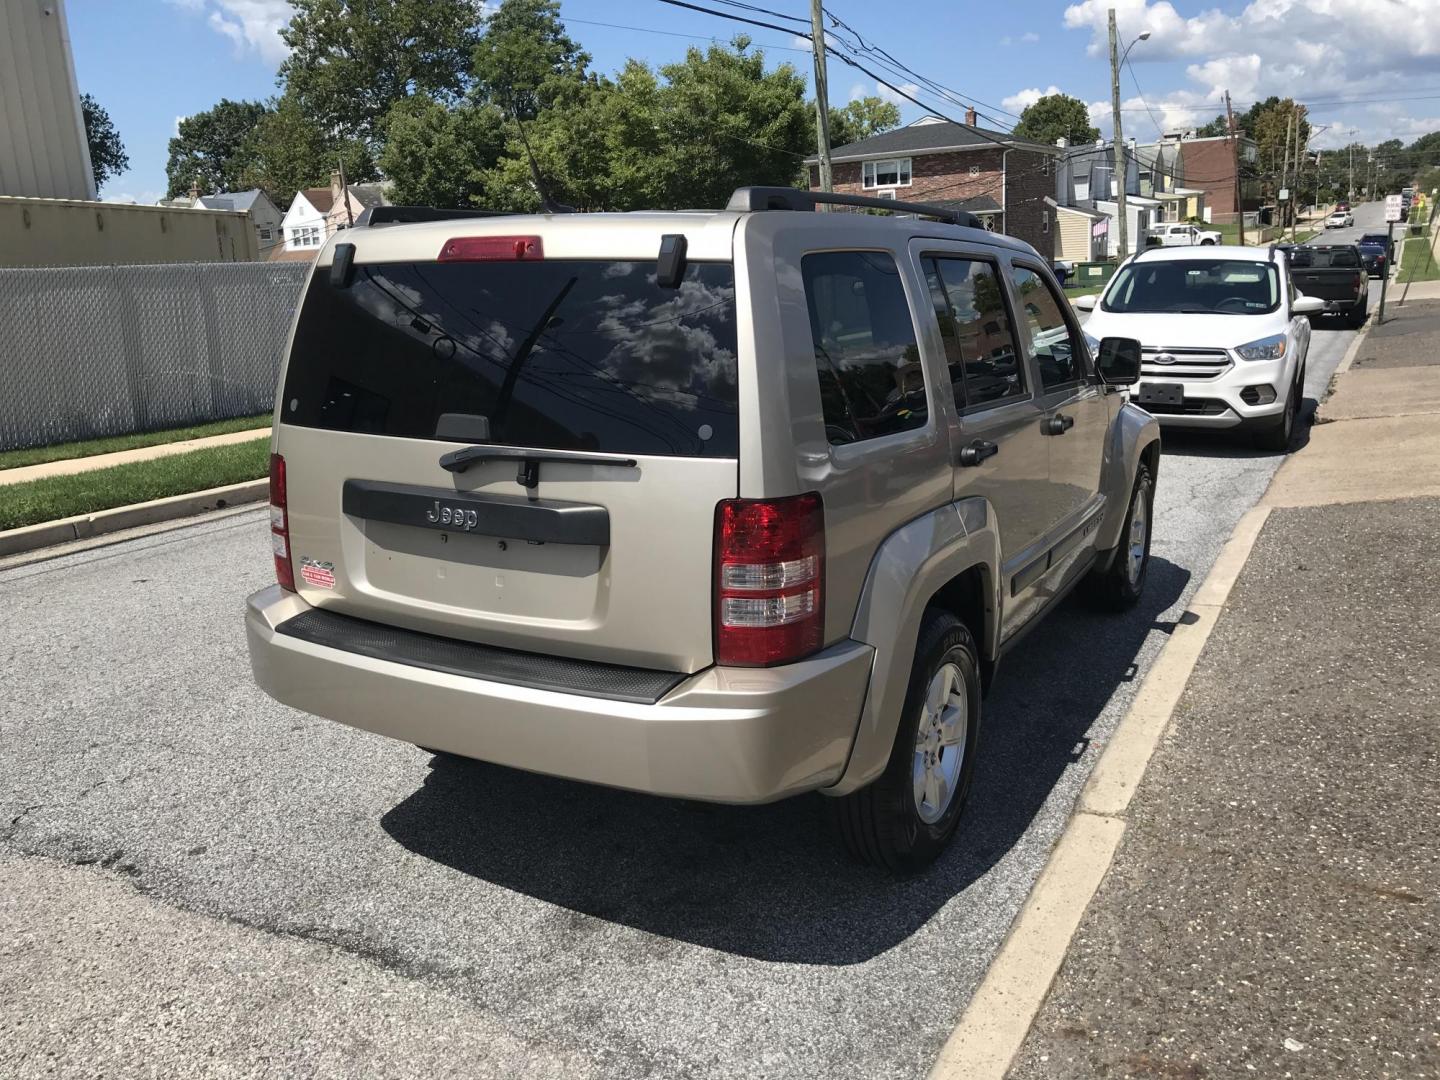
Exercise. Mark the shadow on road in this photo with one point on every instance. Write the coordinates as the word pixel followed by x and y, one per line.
pixel 769 882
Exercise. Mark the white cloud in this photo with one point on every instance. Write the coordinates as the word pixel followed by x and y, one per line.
pixel 1317 50
pixel 1030 37
pixel 883 91
pixel 1019 102
pixel 178 119
pixel 858 91
pixel 253 26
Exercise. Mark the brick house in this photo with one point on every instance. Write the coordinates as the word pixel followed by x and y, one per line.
pixel 1209 166
pixel 1001 179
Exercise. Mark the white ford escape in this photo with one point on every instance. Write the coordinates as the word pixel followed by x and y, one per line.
pixel 1224 336
pixel 728 505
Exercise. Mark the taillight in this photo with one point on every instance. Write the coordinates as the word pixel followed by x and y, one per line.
pixel 491 249
pixel 769 580
pixel 280 525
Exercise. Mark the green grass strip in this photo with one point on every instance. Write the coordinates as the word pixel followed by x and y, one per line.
pixel 138 481
pixel 38 455
pixel 1415 260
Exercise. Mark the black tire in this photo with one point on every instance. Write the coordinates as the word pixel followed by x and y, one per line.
pixel 1277 436
pixel 1117 587
pixel 1207 243
pixel 882 823
pixel 1356 318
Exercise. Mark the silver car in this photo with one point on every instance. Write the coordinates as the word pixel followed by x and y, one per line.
pixel 729 505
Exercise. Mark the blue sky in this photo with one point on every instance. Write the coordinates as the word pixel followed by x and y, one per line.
pixel 150 62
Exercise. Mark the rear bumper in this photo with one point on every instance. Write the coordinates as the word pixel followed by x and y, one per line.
pixel 737 735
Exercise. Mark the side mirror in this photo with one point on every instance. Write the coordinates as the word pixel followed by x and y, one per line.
pixel 1085 303
pixel 1307 305
pixel 1119 361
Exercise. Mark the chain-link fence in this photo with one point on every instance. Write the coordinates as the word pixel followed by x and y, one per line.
pixel 90 351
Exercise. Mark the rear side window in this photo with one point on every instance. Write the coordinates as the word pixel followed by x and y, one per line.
pixel 871 382
pixel 555 354
pixel 985 365
pixel 1058 348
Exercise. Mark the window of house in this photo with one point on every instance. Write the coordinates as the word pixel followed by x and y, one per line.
pixel 892 173
pixel 1057 345
pixel 305 236
pixel 985 366
pixel 264 234
pixel 871 380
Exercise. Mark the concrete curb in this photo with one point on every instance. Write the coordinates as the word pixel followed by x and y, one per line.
pixel 995 1023
pixel 50 533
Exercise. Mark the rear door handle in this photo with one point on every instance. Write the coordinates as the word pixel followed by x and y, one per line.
pixel 1059 424
pixel 977 452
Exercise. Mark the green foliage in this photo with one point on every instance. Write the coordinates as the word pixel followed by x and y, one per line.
pixel 1057 116
pixel 351 60
pixel 861 119
pixel 525 61
pixel 208 152
pixel 436 156
pixel 57 497
pixel 107 152
pixel 38 455
pixel 288 150
pixel 686 136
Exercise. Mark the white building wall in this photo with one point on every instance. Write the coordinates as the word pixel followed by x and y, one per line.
pixel 43 150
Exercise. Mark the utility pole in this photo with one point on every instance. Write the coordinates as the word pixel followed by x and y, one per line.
pixel 822 94
pixel 1235 153
pixel 345 194
pixel 1285 164
pixel 1121 172
pixel 1318 155
pixel 1352 173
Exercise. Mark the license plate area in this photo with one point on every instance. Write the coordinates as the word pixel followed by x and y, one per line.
pixel 1161 394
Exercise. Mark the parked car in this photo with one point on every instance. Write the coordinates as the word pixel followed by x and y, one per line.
pixel 725 506
pixel 1340 219
pixel 1335 274
pixel 1223 343
pixel 1375 253
pixel 1182 234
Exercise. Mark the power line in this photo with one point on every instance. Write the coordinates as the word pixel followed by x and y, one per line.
pixel 672 33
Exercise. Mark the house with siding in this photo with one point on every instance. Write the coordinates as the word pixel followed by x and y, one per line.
pixel 305 224
pixel 1003 180
pixel 264 214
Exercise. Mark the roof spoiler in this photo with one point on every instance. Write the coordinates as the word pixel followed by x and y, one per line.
pixel 410 215
pixel 750 199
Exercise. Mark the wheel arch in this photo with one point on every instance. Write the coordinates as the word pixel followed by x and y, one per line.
pixel 948 558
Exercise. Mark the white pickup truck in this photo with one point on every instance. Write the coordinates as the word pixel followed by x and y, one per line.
pixel 1182 234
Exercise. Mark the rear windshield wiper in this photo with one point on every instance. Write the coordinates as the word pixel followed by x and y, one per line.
pixel 457 461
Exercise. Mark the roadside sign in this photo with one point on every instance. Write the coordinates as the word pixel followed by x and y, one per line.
pixel 1394 207
pixel 1284 194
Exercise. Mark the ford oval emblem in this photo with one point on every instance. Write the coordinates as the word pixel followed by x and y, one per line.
pixel 1164 358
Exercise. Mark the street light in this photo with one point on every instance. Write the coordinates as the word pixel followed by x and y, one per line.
pixel 1122 172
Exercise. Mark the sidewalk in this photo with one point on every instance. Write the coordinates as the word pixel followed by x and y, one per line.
pixel 70 466
pixel 1272 908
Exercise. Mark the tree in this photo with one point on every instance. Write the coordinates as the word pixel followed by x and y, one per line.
pixel 685 136
pixel 107 153
pixel 287 151
pixel 1215 128
pixel 525 61
pixel 1057 116
pixel 436 156
pixel 208 150
pixel 351 60
pixel 861 119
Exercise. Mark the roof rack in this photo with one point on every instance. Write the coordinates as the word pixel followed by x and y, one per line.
pixel 783 198
pixel 409 215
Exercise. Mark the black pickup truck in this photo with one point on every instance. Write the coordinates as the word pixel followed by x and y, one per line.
pixel 1334 273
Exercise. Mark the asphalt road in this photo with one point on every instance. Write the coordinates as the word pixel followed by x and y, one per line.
pixel 643 937
pixel 1369 218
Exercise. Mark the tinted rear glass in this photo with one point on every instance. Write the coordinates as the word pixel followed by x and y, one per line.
pixel 1325 258
pixel 556 354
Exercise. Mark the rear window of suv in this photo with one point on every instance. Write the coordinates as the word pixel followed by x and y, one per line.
pixel 554 354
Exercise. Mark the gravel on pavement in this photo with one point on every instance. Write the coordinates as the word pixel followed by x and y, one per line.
pixel 1272 908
